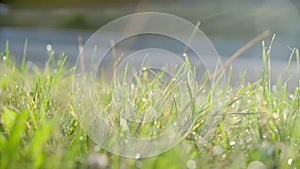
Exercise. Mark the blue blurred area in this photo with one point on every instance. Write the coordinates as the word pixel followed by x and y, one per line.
pixel 229 24
pixel 226 19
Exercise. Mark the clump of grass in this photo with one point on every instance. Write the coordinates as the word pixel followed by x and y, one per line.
pixel 258 123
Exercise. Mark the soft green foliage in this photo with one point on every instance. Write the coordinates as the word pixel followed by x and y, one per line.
pixel 39 129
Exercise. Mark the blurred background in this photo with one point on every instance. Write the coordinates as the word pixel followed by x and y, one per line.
pixel 229 24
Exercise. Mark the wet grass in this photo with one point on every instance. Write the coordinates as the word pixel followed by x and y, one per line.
pixel 259 124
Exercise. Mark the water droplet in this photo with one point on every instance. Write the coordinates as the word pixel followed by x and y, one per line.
pixel 290 161
pixel 4 58
pixel 138 164
pixel 151 93
pixel 191 164
pixel 144 68
pixel 59 62
pixel 232 143
pixel 218 150
pixel 137 155
pixel 96 148
pixel 256 165
pixel 49 47
pixel 132 86
pixel 144 99
pixel 173 79
pixel 275 116
pixel 80 138
pixel 291 96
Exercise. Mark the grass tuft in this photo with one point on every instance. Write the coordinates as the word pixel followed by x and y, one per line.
pixel 39 126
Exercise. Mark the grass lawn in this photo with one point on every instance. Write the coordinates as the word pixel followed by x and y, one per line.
pixel 258 127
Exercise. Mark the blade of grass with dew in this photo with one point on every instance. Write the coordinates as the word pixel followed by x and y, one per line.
pixel 24 55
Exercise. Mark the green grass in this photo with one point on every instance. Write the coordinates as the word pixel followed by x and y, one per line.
pixel 39 126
